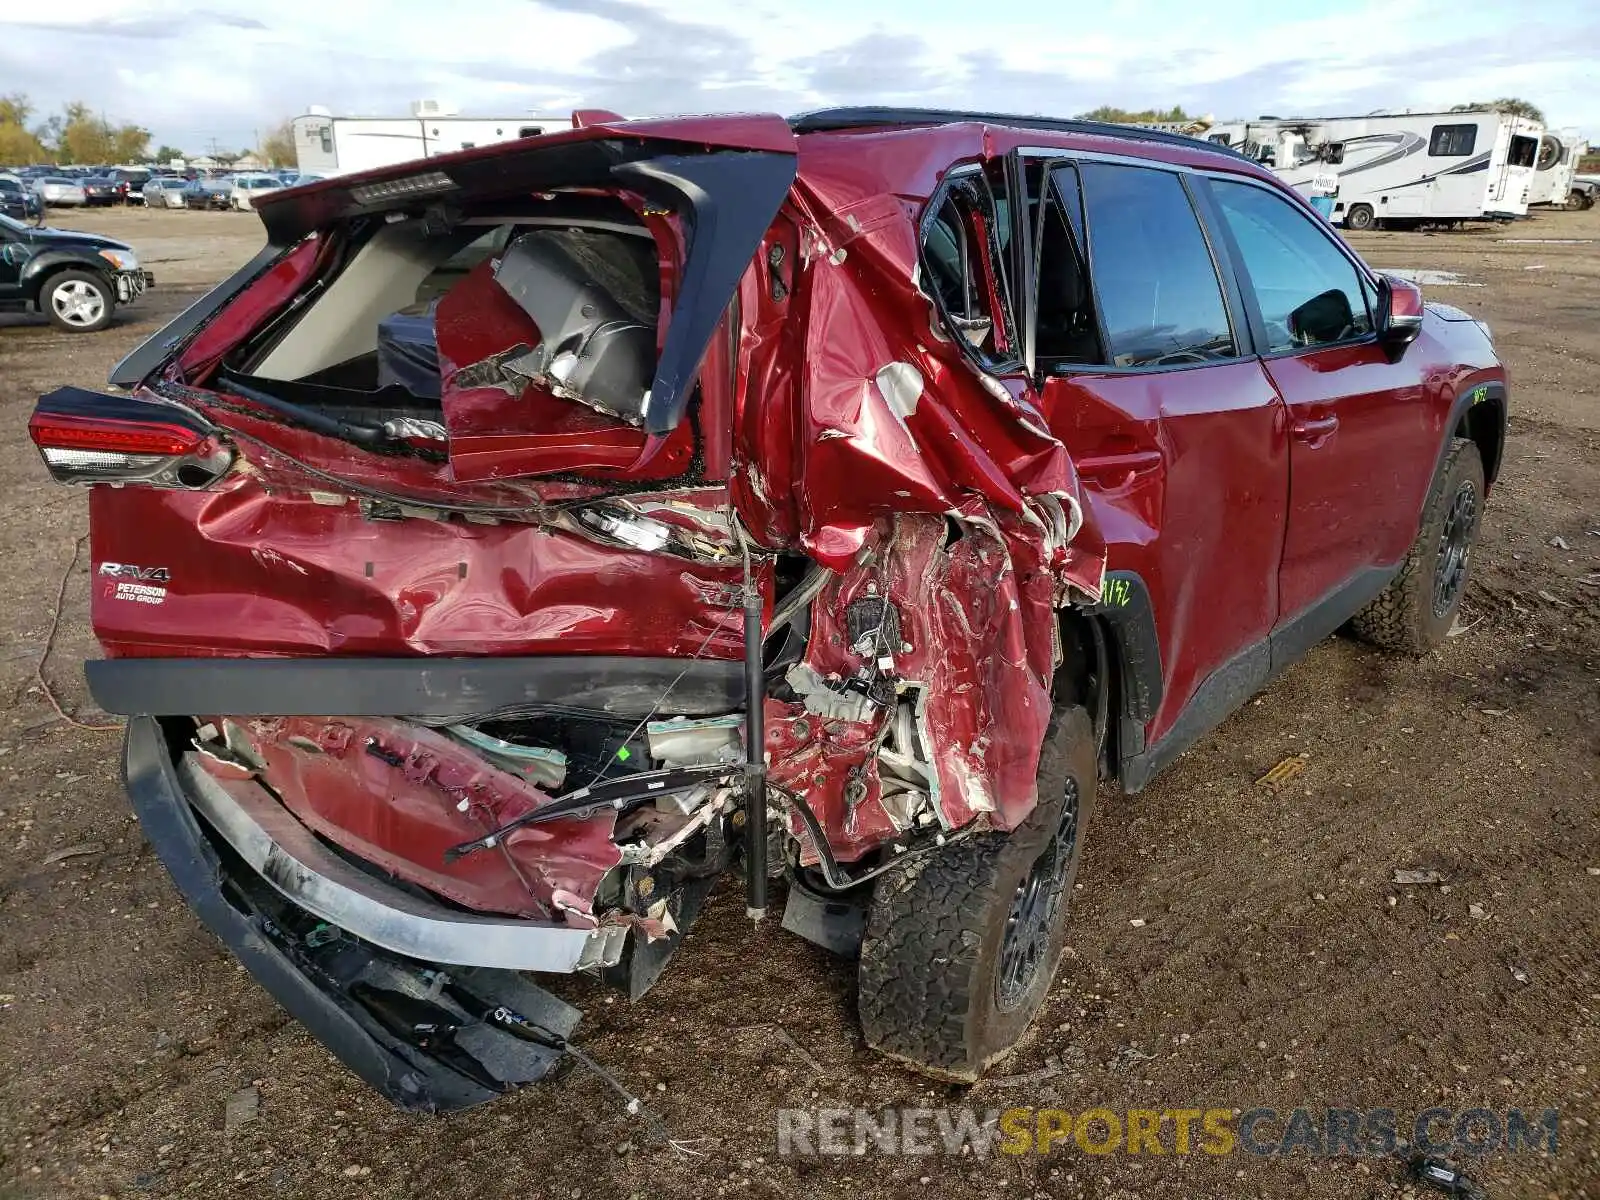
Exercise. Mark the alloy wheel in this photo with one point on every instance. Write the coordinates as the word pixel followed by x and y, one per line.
pixel 1030 925
pixel 1455 547
pixel 78 303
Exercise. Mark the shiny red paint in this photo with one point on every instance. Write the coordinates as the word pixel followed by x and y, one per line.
pixel 974 657
pixel 274 572
pixel 260 301
pixel 400 796
pixel 1353 415
pixel 1186 475
pixel 841 422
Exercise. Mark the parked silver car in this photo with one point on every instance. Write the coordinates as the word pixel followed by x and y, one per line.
pixel 246 188
pixel 58 191
pixel 164 191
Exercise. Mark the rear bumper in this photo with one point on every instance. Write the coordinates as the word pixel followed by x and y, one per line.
pixel 435 689
pixel 260 889
pixel 306 872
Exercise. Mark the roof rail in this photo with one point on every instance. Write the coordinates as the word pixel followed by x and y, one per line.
pixel 826 120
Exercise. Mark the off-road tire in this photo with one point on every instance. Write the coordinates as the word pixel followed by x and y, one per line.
pixel 1403 617
pixel 931 954
pixel 1360 217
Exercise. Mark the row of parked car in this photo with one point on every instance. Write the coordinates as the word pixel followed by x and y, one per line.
pixel 28 192
pixel 237 192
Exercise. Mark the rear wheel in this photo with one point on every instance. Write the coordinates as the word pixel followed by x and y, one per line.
pixel 1578 200
pixel 962 943
pixel 77 301
pixel 1360 217
pixel 1416 610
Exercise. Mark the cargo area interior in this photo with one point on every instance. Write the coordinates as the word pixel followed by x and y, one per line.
pixel 362 342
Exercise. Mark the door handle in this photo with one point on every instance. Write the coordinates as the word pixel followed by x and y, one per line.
pixel 1315 430
pixel 1118 470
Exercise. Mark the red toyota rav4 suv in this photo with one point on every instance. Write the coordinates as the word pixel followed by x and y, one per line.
pixel 529 534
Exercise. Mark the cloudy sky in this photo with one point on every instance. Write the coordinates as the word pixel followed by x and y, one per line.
pixel 223 69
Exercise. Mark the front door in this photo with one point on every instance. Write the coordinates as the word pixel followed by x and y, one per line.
pixel 15 250
pixel 1358 423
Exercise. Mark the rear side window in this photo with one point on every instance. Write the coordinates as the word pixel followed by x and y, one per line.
pixel 1310 294
pixel 1160 301
pixel 961 252
pixel 1451 141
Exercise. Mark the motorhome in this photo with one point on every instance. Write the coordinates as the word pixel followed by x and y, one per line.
pixel 1400 168
pixel 330 145
pixel 1557 164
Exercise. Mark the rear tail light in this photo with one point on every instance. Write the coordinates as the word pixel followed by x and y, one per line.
pixel 86 437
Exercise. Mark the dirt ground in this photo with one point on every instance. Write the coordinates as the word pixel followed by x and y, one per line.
pixel 1231 946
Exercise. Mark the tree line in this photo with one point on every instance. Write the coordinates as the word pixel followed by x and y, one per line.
pixel 79 135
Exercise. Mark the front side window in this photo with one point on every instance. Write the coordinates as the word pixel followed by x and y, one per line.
pixel 1310 294
pixel 1160 301
pixel 1452 141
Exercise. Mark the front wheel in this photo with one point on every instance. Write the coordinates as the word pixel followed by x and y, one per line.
pixel 78 301
pixel 962 943
pixel 1413 614
pixel 1360 217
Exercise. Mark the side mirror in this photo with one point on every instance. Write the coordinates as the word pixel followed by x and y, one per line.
pixel 1399 314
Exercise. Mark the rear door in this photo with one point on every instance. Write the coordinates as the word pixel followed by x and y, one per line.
pixel 1149 380
pixel 1358 423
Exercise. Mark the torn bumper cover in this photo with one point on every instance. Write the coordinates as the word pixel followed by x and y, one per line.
pixel 418 999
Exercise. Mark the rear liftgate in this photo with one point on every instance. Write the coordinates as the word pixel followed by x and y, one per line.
pixel 406 959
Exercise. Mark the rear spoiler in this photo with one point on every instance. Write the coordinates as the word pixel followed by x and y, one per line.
pixel 725 178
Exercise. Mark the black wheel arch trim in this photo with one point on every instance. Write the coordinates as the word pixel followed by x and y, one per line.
pixel 1234 681
pixel 1128 613
pixel 1126 617
pixel 39 269
pixel 1458 424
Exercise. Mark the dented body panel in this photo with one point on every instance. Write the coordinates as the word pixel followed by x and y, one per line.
pixel 714 367
pixel 268 572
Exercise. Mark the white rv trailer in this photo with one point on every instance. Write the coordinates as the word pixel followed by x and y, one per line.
pixel 1401 168
pixel 328 145
pixel 1553 173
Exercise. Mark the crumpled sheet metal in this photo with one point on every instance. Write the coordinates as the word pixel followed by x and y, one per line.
pixel 913 471
pixel 976 640
pixel 389 792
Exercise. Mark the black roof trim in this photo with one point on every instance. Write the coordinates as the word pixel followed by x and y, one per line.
pixel 826 120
